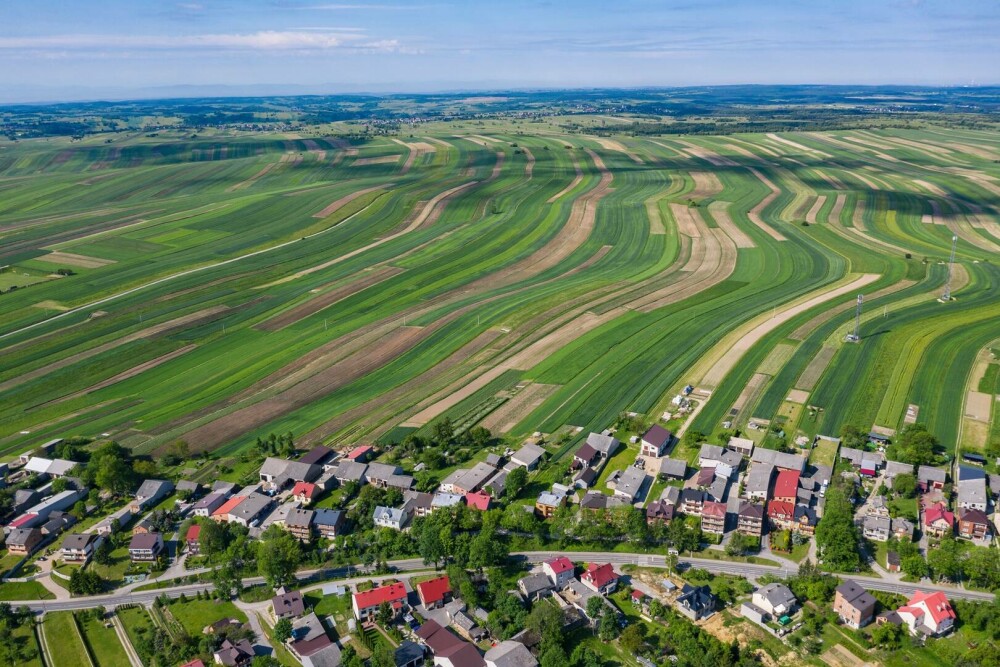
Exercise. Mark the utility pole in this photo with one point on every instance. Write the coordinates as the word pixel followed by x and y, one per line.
pixel 856 336
pixel 951 267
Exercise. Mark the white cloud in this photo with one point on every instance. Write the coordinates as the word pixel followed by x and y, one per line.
pixel 267 40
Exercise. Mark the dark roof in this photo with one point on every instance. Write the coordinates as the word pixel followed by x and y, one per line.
pixel 144 541
pixel 327 517
pixel 657 436
pixel 408 652
pixel 892 558
pixel 752 510
pixel 696 598
pixel 586 453
pixel 855 595
pixel 317 454
pixel 288 603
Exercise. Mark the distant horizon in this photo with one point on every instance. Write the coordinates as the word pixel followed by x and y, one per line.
pixel 59 50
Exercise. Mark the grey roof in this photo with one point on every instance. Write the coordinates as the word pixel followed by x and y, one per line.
pixel 967 473
pixel 752 510
pixel 673 467
pixel 251 507
pixel 283 470
pixel 851 454
pixel 929 474
pixel 400 481
pixel 856 596
pixel 778 594
pixel 473 478
pixel 327 517
pixel 78 541
pixel 350 471
pixel 671 495
pixel 630 483
pixel 20 536
pixel 328 656
pixel 528 455
pixel 878 523
pixel 778 459
pixel 758 481
pixel 718 488
pixel 893 468
pixel 696 598
pixel 605 444
pixel 692 495
pixel 299 518
pixel 446 499
pixel 408 652
pixel 390 514
pixel 534 583
pixel 211 502
pixel 187 485
pixel 902 525
pixel 154 487
pixel 223 487
pixel 510 654
pixel 382 471
pixel 144 541
pixel 972 491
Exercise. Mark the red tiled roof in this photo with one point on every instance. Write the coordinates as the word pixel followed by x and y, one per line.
pixel 229 506
pixel 433 590
pixel 193 532
pixel 714 509
pixel 304 489
pixel 560 564
pixel 638 595
pixel 787 484
pixel 376 596
pixel 937 604
pixel 479 501
pixel 600 575
pixel 936 512
pixel 359 451
pixel 23 519
pixel 777 509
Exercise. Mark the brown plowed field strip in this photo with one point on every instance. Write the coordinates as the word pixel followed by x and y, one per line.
pixel 382 159
pixel 199 317
pixel 720 213
pixel 792 144
pixel 838 206
pixel 522 404
pixel 814 371
pixel 754 213
pixel 814 211
pixel 706 184
pixel 684 216
pixel 253 179
pixel 327 299
pixel 529 166
pixel 72 259
pixel 612 145
pixel 710 156
pixel 347 199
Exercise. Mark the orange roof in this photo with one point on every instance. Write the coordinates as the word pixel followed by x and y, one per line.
pixel 434 590
pixel 304 489
pixel 229 506
pixel 359 451
pixel 714 509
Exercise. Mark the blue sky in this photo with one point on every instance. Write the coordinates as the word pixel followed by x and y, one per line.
pixel 87 48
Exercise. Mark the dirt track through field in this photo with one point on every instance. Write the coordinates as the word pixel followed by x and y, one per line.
pixel 199 317
pixel 720 213
pixel 522 404
pixel 327 299
pixel 347 199
pixel 754 213
pixel 747 340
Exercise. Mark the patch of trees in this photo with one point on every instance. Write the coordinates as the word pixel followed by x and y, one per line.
pixel 15 650
pixel 915 444
pixel 275 445
pixel 445 446
pixel 113 468
pixel 837 539
pixel 85 582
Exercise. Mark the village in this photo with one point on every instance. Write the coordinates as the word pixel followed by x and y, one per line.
pixel 732 502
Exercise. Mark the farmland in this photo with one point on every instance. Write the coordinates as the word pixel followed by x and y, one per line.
pixel 219 287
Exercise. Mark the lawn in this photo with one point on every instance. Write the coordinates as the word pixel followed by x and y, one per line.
pixel 282 654
pixel 904 507
pixel 115 571
pixel 24 590
pixel 621 460
pixel 138 626
pixel 65 645
pixel 195 614
pixel 824 453
pixel 8 561
pixel 103 641
pixel 24 634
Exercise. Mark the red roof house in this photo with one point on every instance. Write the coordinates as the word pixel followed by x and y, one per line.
pixel 361 454
pixel 786 486
pixel 192 539
pixel 222 514
pixel 435 592
pixel 194 663
pixel 928 613
pixel 366 604
pixel 938 520
pixel 305 492
pixel 559 570
pixel 478 501
pixel 600 578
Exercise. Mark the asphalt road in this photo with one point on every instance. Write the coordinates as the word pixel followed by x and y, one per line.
pixel 344 574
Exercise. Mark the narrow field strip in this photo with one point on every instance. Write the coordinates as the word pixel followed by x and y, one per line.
pixel 508 415
pixel 706 184
pixel 720 213
pixel 754 213
pixel 575 182
pixel 684 217
pixel 612 145
pixel 709 156
pixel 793 144
pixel 347 199
pixel 72 259
pixel 814 210
pixel 655 219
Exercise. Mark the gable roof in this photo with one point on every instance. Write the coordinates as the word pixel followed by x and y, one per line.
pixel 855 595
pixel 929 474
pixel 192 533
pixel 973 516
pixel 600 575
pixel 786 485
pixel 605 444
pixel 528 454
pixel 304 489
pixel 434 590
pixel 673 467
pixel 327 517
pixel 479 501
pixel 714 509
pixel 229 506
pixel 585 453
pixel 316 455
pixel 936 603
pixel 560 564
pixel 394 594
pixel 938 512
pixel 288 603
pixel 657 436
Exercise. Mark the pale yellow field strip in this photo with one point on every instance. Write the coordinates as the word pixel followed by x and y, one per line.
pixel 814 211
pixel 684 217
pixel 798 396
pixel 382 159
pixel 706 184
pixel 794 144
pixel 930 187
pixel 709 156
pixel 529 165
pixel 754 213
pixel 72 259
pixel 673 149
pixel 754 148
pixel 612 145
pixel 575 182
pixel 830 179
pixel 720 213
pixel 838 206
pixel 655 219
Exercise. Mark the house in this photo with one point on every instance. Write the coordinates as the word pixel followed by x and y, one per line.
pixel 972 490
pixel 778 459
pixel 938 521
pixel 781 514
pixel 691 501
pixel 597 502
pixel 655 441
pixel 251 510
pixel 604 444
pixel 928 614
pixel 930 478
pixel 145 547
pixel 144 526
pixel 878 528
pixel 758 482
pixel 78 547
pixel 723 460
pixel 805 520
pixel 409 654
pixel 786 486
pixel 328 522
pixel 23 541
pixel 973 524
pixel 528 457
pixel 894 468
pixel 222 626
pixel 287 604
pixel 892 562
pixel 585 455
pixel 696 602
pixel 659 511
pixel 419 503
pixel 221 513
pixel 742 446
pixel 704 478
pixel 319 455
pixel 50 467
pixel 776 599
pixel 390 517
pixel 276 474
pixel 366 604
pixel 535 586
pixel 902 529
pixel 854 605
pixel 434 592
pixel 559 570
pixel 443 500
pixel 388 476
pixel 713 518
pixel 717 489
pixel 150 493
pixel 478 501
pixel 631 484
pixel 548 502
pixel 191 539
pixel 350 471
pixel 298 522
pixel 310 643
pixel 361 454
pixel 510 654
pixel 877 506
pixel 600 578
pixel 57 523
pixel 305 492
pixel 234 654
pixel 471 480
pixel 750 519
pixel 207 505
pixel 449 650
pixel 197 662
pixel 584 478
pixel 673 468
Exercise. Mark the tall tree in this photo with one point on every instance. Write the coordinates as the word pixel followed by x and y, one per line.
pixel 278 556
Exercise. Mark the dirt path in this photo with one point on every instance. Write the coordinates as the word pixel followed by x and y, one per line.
pixel 347 199
pixel 740 341
pixel 133 656
pixel 508 415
